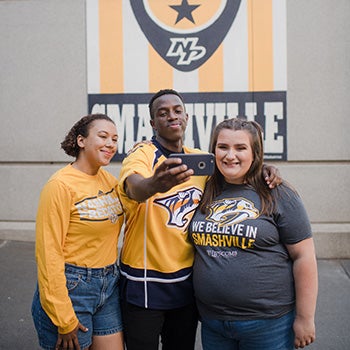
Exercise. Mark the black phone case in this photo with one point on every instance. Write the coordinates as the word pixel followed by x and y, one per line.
pixel 201 164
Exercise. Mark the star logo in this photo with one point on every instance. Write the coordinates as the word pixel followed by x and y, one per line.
pixel 185 35
pixel 184 11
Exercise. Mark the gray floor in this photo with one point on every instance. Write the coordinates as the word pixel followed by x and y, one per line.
pixel 18 278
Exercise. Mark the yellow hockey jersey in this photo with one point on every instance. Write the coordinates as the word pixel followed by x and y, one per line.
pixel 157 256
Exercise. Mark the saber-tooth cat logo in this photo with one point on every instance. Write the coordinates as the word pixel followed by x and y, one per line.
pixel 185 33
pixel 232 211
pixel 180 205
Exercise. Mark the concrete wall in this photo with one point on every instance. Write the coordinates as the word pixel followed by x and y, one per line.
pixel 43 92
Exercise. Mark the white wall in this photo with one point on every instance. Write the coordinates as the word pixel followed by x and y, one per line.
pixel 43 92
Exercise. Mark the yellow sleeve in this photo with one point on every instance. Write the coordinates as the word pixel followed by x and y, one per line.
pixel 51 228
pixel 137 162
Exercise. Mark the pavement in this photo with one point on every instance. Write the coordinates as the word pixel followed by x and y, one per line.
pixel 18 279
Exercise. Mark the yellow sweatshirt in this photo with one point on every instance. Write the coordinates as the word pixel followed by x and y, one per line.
pixel 78 222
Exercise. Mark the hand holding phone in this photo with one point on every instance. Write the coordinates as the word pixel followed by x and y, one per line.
pixel 201 163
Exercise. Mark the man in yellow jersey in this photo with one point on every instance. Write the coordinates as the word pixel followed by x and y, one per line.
pixel 159 197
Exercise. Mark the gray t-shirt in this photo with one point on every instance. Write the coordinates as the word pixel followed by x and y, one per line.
pixel 242 269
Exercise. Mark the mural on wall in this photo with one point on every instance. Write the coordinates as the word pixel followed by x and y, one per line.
pixel 226 57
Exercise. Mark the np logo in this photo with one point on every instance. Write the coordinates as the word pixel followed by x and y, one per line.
pixel 185 33
pixel 180 205
pixel 232 211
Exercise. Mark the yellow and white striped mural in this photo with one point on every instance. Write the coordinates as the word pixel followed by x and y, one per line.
pixel 227 58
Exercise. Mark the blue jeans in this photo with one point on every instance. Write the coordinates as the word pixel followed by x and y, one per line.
pixel 94 293
pixel 262 334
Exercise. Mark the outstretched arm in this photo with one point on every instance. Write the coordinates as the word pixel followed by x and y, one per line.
pixel 169 174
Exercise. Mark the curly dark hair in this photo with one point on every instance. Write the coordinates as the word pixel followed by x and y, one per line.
pixel 81 127
pixel 159 94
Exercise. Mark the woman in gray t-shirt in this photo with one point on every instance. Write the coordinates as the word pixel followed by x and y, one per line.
pixel 255 272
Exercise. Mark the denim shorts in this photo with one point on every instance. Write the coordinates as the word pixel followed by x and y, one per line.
pixel 95 297
pixel 262 334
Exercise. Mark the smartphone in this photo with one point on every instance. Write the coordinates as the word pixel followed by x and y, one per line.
pixel 201 163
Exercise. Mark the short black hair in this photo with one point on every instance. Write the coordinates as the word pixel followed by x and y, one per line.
pixel 161 93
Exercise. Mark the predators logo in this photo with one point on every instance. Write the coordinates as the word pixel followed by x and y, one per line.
pixel 232 211
pixel 185 33
pixel 180 205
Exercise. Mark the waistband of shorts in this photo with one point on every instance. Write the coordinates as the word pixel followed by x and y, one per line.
pixel 92 271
